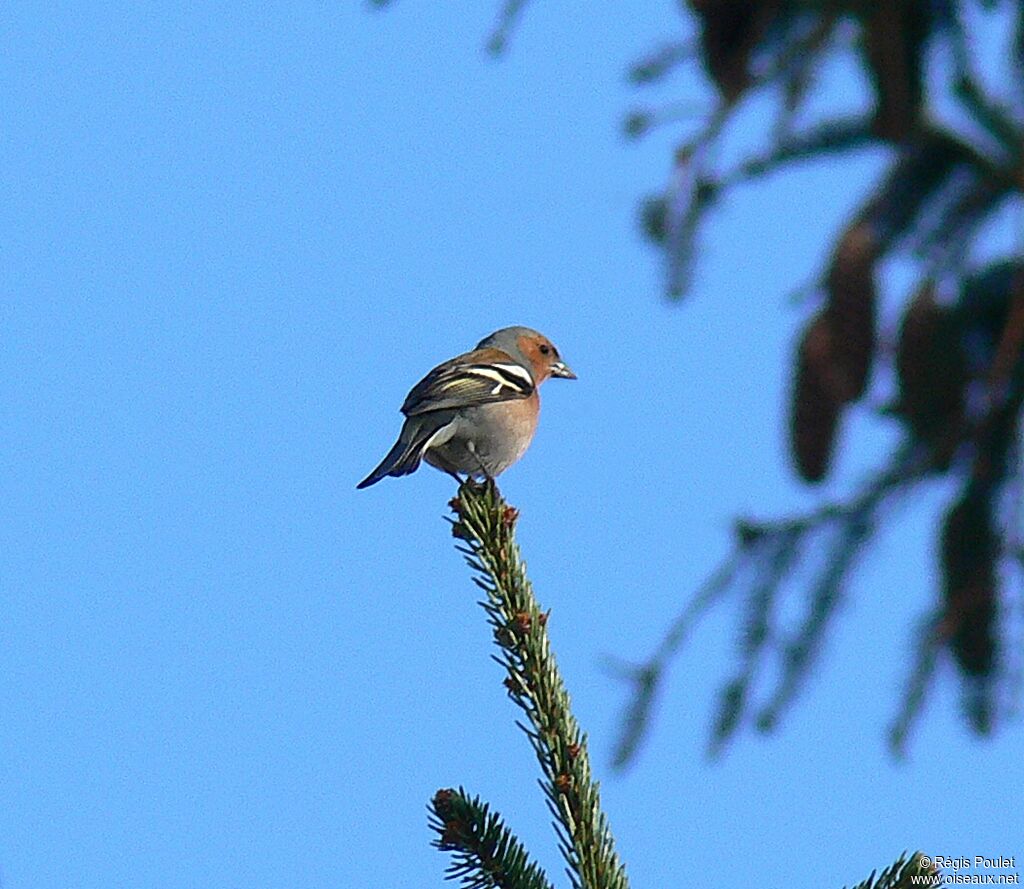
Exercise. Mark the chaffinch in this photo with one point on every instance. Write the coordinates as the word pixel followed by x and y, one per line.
pixel 477 413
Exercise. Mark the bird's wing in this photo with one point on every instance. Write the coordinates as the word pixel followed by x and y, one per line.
pixel 481 377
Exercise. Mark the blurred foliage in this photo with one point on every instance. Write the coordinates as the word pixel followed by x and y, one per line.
pixel 957 360
pixel 956 355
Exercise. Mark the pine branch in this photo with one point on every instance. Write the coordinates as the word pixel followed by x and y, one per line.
pixel 781 553
pixel 945 237
pixel 507 21
pixel 834 136
pixel 658 63
pixel 486 853
pixel 485 522
pixel 928 644
pixel 903 874
pixel 646 678
pixel 988 113
pixel 762 559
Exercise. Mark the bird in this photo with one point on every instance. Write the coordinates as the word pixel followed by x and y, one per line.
pixel 476 413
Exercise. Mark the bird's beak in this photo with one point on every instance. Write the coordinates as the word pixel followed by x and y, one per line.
pixel 561 369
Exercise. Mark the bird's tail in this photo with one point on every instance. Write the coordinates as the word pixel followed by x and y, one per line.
pixel 402 459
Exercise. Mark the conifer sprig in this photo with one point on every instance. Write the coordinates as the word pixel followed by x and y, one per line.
pixel 485 524
pixel 486 855
pixel 903 874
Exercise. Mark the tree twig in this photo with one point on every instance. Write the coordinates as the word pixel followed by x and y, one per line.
pixel 485 523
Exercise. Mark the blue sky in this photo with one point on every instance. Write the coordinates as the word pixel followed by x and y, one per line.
pixel 231 240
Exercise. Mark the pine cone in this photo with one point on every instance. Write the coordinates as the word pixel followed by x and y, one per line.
pixel 932 373
pixel 729 32
pixel 969 550
pixel 851 308
pixel 816 405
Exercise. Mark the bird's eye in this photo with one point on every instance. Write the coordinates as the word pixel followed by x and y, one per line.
pixel 545 349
